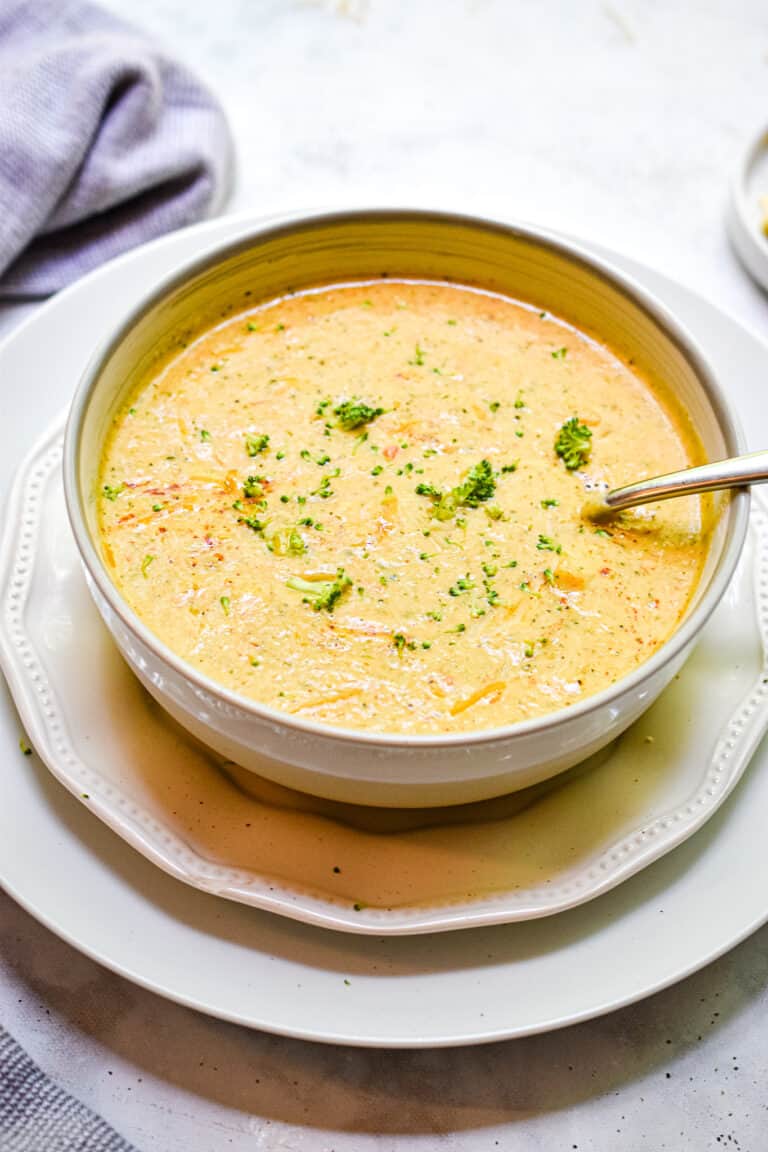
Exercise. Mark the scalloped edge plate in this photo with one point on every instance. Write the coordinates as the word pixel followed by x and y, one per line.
pixel 744 216
pixel 69 871
pixel 335 865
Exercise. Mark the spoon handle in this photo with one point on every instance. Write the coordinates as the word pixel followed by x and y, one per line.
pixel 736 472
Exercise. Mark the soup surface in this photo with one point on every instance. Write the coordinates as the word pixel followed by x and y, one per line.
pixel 363 505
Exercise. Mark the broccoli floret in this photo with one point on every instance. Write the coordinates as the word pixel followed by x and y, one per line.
pixel 479 485
pixel 321 594
pixel 256 444
pixel 253 523
pixel 354 413
pixel 111 493
pixel 428 490
pixel 573 444
pixel 287 542
pixel 296 545
pixel 252 487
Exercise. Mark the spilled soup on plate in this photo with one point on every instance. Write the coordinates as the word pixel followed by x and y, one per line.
pixel 363 505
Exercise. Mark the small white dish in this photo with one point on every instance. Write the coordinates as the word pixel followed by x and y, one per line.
pixel 748 208
pixel 217 956
pixel 342 866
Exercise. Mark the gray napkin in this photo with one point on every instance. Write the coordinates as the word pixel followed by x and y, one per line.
pixel 104 142
pixel 36 1116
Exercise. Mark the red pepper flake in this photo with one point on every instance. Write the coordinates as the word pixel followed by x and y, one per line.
pixel 163 490
pixel 605 571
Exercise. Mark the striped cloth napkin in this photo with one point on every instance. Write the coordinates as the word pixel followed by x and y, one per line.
pixel 105 142
pixel 37 1116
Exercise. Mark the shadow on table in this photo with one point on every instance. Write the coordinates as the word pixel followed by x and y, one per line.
pixel 369 1091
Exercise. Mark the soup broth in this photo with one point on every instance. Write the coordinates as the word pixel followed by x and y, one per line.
pixel 364 505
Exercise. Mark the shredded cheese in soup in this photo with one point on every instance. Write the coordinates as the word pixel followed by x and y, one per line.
pixel 364 505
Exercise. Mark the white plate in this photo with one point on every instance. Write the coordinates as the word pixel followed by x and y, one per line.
pixel 381 872
pixel 86 884
pixel 748 208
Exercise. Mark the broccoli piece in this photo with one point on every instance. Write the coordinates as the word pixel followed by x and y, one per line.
pixel 253 523
pixel 296 545
pixel 479 485
pixel 354 413
pixel 111 493
pixel 287 542
pixel 463 584
pixel 256 444
pixel 321 594
pixel 428 490
pixel 252 487
pixel 573 443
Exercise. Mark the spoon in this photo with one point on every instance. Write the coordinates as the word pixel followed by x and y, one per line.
pixel 736 472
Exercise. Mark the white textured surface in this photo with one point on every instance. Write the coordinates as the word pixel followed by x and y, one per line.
pixel 617 120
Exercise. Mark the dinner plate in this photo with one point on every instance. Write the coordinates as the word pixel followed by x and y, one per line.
pixel 748 208
pixel 71 871
pixel 380 871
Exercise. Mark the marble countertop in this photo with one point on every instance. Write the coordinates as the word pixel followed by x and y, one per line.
pixel 620 121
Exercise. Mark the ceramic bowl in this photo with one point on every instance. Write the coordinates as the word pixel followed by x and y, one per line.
pixel 522 262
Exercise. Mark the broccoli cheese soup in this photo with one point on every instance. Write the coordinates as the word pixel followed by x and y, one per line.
pixel 363 505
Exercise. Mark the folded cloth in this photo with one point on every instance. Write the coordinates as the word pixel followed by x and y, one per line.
pixel 37 1116
pixel 104 142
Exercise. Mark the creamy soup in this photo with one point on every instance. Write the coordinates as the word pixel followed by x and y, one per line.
pixel 364 505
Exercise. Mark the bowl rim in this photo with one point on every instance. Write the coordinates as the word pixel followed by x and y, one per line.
pixel 285 226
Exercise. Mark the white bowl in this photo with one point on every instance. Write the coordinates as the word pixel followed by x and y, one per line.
pixel 744 217
pixel 340 763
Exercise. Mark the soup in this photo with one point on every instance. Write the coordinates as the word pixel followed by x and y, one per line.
pixel 364 505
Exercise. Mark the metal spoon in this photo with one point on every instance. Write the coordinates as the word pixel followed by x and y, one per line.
pixel 736 472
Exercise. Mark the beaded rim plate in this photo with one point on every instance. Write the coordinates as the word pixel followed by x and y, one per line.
pixel 68 870
pixel 340 866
